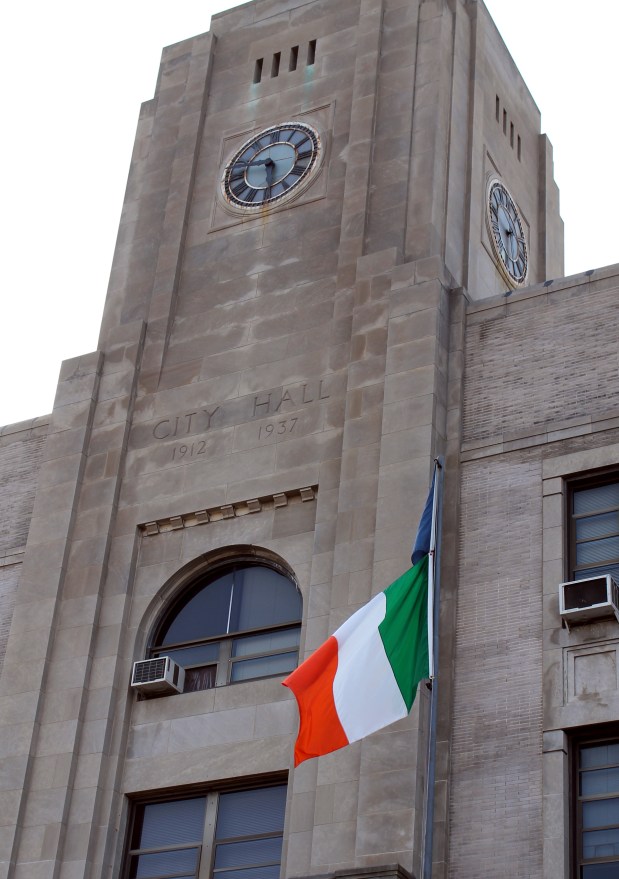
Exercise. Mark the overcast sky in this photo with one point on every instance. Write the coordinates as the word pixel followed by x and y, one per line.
pixel 74 75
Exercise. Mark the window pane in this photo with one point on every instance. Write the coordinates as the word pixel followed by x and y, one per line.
pixel 250 853
pixel 267 643
pixel 600 813
pixel 199 655
pixel 600 843
pixel 601 781
pixel 602 497
pixel 250 812
pixel 262 598
pixel 197 679
pixel 204 615
pixel 613 570
pixel 606 754
pixel 173 823
pixel 601 871
pixel 597 551
pixel 252 873
pixel 592 527
pixel 178 863
pixel 264 666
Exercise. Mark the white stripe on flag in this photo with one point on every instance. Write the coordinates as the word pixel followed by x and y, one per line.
pixel 365 691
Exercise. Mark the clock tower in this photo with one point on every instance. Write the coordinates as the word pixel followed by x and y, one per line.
pixel 318 191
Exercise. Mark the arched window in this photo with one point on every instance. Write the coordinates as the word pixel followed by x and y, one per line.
pixel 235 623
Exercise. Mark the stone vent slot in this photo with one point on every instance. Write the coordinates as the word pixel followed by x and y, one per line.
pixel 514 137
pixel 276 62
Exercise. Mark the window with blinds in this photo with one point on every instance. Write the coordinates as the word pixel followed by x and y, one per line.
pixel 233 834
pixel 594 528
pixel 596 808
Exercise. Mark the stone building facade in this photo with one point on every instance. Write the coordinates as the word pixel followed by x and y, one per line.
pixel 312 297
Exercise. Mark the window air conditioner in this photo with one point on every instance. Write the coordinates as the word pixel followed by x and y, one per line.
pixel 161 676
pixel 594 598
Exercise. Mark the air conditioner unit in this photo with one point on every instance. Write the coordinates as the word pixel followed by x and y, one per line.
pixel 161 676
pixel 593 598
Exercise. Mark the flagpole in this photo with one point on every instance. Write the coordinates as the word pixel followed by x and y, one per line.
pixel 433 626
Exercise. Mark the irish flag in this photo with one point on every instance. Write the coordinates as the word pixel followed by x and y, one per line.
pixel 365 675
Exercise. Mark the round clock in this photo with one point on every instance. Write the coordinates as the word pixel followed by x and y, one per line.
pixel 272 165
pixel 506 234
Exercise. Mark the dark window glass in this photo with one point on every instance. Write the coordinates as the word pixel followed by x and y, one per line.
pixel 589 500
pixel 599 781
pixel 249 832
pixel 600 871
pixel 598 813
pixel 262 597
pixel 172 823
pixel 204 614
pixel 161 865
pixel 239 623
pixel 198 655
pixel 592 756
pixel 594 529
pixel 597 809
pixel 249 853
pixel 248 669
pixel 251 812
pixel 271 872
pixel 167 839
pixel 172 838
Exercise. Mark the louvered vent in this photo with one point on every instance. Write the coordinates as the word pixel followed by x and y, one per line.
pixel 161 676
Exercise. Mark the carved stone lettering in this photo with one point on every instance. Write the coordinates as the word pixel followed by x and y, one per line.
pixel 258 406
pixel 291 398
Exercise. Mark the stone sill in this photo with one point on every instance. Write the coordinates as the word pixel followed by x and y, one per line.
pixel 388 871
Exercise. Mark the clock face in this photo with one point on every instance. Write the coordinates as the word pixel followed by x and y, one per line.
pixel 271 165
pixel 507 234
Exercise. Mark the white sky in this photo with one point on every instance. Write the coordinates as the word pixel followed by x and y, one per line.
pixel 74 76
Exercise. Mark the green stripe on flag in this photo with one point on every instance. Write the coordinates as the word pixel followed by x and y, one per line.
pixel 404 630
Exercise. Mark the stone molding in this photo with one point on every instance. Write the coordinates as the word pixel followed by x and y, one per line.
pixel 230 511
pixel 539 435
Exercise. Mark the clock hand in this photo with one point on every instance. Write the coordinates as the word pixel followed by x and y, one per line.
pixel 257 162
pixel 270 168
pixel 513 245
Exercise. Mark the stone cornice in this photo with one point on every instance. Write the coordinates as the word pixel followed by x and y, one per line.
pixel 230 511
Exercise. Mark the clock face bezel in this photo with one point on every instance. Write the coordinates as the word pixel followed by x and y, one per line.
pixel 247 185
pixel 505 227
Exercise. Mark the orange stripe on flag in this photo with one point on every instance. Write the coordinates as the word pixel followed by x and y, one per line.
pixel 320 730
